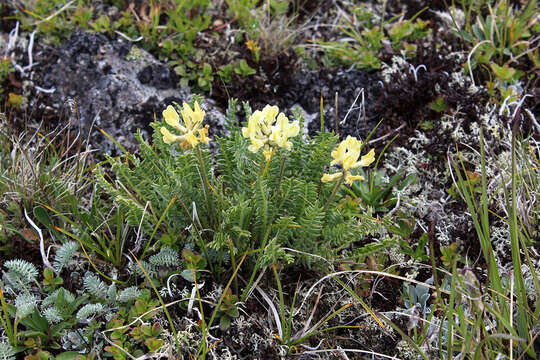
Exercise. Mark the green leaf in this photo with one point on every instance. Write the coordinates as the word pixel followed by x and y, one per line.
pixel 57 330
pixel 41 214
pixel 233 312
pixel 36 322
pixel 207 69
pixel 224 322
pixel 187 275
pixel 243 69
pixel 438 104
pixel 505 72
pixel 68 355
pixel 32 334
pixel 154 344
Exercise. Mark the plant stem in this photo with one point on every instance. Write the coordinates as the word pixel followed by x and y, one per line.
pixel 334 192
pixel 233 262
pixel 281 307
pixel 201 245
pixel 281 171
pixel 224 292
pixel 265 207
pixel 6 323
pixel 207 187
pixel 257 264
pixel 203 325
pixel 266 164
pixel 322 114
pixel 265 233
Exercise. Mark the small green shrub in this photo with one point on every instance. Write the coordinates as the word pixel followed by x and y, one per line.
pixel 366 41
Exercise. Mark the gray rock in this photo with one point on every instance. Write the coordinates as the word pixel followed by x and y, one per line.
pixel 116 86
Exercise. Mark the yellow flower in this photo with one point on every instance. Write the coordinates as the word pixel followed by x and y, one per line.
pixel 366 159
pixel 168 137
pixel 346 155
pixel 203 135
pixel 191 139
pixel 254 131
pixel 283 130
pixel 350 178
pixel 268 152
pixel 192 131
pixel 172 118
pixel 264 131
pixel 252 45
pixel 192 119
pixel 331 177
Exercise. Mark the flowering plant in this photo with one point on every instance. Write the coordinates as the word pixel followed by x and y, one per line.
pixel 269 133
pixel 192 131
pixel 229 207
pixel 346 155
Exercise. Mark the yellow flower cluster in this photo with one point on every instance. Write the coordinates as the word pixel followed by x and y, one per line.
pixel 192 131
pixel 267 132
pixel 346 155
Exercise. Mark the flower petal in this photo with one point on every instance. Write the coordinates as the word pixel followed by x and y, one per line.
pixel 366 159
pixel 268 152
pixel 198 114
pixel 169 137
pixel 331 177
pixel 293 129
pixel 203 135
pixel 172 118
pixel 350 178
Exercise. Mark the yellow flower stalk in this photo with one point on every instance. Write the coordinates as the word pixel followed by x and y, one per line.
pixel 192 134
pixel 192 131
pixel 269 133
pixel 346 155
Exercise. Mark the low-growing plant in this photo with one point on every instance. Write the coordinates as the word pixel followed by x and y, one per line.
pixel 238 68
pixel 377 192
pixel 228 310
pixel 245 11
pixel 438 104
pixel 6 351
pixel 167 29
pixel 50 320
pixel 241 11
pixel 273 32
pixel 194 72
pixel 418 253
pixel 5 69
pixel 247 201
pixel 417 296
pixel 498 39
pixel 99 231
pixel 133 330
pixel 31 329
pixel 284 317
pixel 41 168
pixel 186 19
pixel 362 48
